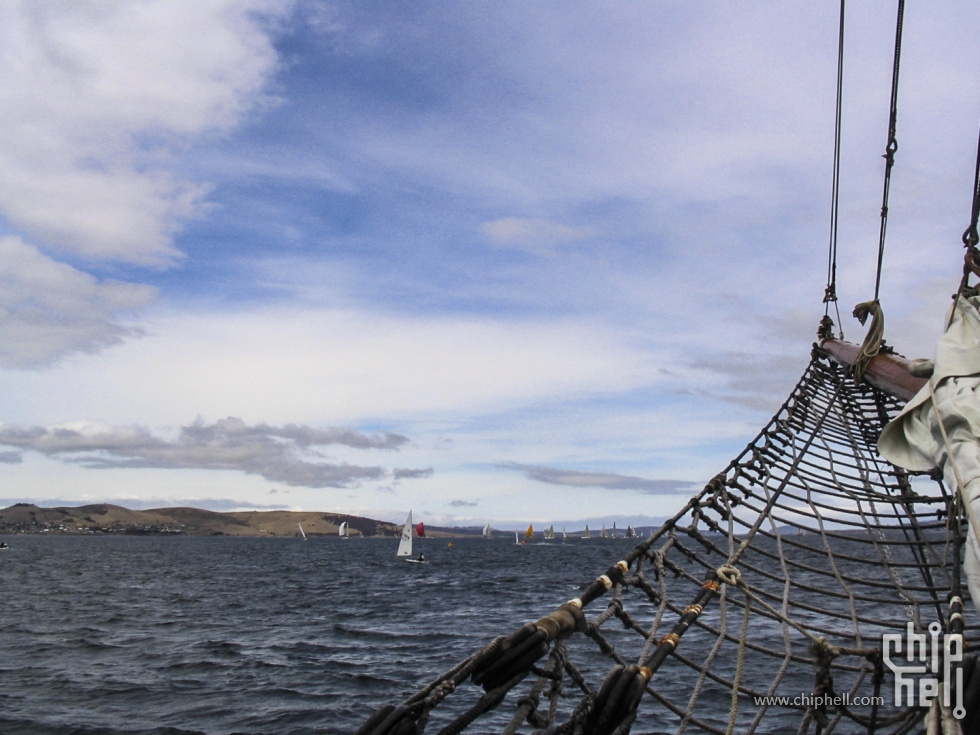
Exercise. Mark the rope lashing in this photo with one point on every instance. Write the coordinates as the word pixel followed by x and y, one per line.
pixel 623 687
pixel 873 340
pixel 617 699
pixel 527 644
pixel 391 720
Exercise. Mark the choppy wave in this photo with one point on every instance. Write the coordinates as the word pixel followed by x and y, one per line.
pixel 215 636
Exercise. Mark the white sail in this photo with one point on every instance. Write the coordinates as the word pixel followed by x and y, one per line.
pixel 405 544
pixel 302 532
pixel 614 529
pixel 602 534
pixel 564 536
pixel 487 531
pixel 587 533
pixel 550 533
pixel 343 532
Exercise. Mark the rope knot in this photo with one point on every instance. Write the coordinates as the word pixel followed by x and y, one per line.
pixel 729 575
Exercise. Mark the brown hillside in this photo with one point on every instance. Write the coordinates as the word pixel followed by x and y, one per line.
pixel 105 518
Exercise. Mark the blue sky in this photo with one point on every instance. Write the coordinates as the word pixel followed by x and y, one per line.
pixel 502 261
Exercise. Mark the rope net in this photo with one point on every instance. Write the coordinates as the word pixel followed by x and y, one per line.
pixel 759 607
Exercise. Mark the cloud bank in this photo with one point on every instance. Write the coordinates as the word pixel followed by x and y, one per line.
pixel 608 480
pixel 286 454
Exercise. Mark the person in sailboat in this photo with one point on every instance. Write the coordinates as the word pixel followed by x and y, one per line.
pixel 421 557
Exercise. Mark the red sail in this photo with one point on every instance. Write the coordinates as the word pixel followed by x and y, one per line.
pixel 420 530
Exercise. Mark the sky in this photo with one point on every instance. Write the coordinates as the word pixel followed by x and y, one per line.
pixel 513 262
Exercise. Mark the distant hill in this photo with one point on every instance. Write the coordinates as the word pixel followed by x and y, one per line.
pixel 105 518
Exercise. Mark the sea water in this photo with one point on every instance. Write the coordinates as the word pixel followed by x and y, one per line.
pixel 113 635
pixel 164 635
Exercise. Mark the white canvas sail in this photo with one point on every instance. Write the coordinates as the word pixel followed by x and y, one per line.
pixel 550 533
pixel 405 544
pixel 343 532
pixel 614 529
pixel 602 533
pixel 487 531
pixel 302 532
pixel 587 533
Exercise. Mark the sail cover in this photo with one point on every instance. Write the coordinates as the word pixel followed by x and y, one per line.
pixel 939 429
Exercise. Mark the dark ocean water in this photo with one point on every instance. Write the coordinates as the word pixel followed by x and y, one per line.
pixel 130 635
pixel 105 635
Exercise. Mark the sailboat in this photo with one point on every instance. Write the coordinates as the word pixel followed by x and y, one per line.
pixel 630 533
pixel 405 543
pixel 587 533
pixel 487 531
pixel 602 533
pixel 614 529
pixel 530 533
pixel 549 533
pixel 343 532
pixel 302 532
pixel 564 536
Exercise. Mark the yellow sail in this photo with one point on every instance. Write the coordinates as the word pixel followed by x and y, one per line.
pixel 530 531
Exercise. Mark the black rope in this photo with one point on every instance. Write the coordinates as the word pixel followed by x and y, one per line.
pixel 830 294
pixel 970 236
pixel 971 262
pixel 892 146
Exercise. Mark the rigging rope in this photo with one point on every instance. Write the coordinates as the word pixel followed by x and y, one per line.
pixel 892 146
pixel 970 236
pixel 874 339
pixel 830 293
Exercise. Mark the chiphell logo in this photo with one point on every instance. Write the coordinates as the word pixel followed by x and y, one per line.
pixel 917 679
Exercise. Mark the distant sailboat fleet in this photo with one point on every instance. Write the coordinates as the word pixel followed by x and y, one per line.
pixel 409 547
pixel 549 534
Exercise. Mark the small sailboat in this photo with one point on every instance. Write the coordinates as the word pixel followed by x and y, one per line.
pixel 487 531
pixel 302 532
pixel 344 532
pixel 549 533
pixel 564 536
pixel 587 533
pixel 517 538
pixel 409 531
pixel 530 533
pixel 614 529
pixel 602 533
pixel 630 533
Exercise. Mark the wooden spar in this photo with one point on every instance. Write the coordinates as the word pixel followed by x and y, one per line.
pixel 890 373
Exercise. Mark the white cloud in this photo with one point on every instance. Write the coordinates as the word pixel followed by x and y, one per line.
pixel 96 97
pixel 339 366
pixel 533 235
pixel 277 453
pixel 49 309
